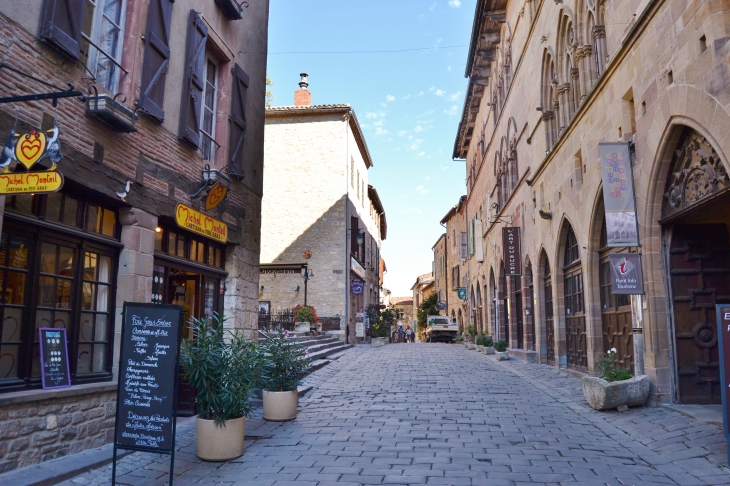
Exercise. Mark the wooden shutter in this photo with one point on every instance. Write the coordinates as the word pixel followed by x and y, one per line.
pixel 156 59
pixel 239 93
pixel 354 247
pixel 193 81
pixel 61 25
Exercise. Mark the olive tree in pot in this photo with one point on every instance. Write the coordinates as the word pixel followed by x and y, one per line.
pixel 500 348
pixel 222 366
pixel 287 361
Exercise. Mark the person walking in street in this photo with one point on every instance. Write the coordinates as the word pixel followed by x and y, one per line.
pixel 400 334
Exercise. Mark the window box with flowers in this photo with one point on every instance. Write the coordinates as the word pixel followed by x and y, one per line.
pixel 614 387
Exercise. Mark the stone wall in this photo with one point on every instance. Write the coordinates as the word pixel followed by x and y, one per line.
pixel 36 431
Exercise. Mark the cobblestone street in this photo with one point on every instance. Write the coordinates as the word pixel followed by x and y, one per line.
pixel 439 414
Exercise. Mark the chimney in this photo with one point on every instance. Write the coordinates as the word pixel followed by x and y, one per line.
pixel 302 96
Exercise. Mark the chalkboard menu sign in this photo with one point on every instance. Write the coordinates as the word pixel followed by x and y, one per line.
pixel 723 341
pixel 54 358
pixel 147 390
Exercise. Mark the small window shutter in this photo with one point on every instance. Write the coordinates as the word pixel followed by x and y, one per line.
pixel 354 249
pixel 156 59
pixel 193 82
pixel 239 94
pixel 463 254
pixel 61 25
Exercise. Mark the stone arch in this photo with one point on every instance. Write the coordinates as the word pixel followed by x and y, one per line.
pixel 546 329
pixel 479 325
pixel 548 97
pixel 573 340
pixel 492 303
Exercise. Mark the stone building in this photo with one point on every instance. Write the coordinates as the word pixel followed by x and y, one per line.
pixel 318 200
pixel 404 309
pixel 548 82
pixel 194 76
pixel 456 257
pixel 441 281
pixel 422 289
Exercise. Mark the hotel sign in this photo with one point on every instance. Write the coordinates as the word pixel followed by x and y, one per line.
pixel 31 182
pixel 512 255
pixel 202 224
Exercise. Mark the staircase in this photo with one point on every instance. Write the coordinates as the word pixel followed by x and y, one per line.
pixel 322 349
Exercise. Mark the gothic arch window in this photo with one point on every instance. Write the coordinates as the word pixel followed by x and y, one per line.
pixel 529 313
pixel 503 307
pixel 550 104
pixel 512 164
pixel 568 72
pixel 575 318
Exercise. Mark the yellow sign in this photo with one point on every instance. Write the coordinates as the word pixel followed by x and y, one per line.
pixel 30 147
pixel 202 224
pixel 30 182
pixel 216 195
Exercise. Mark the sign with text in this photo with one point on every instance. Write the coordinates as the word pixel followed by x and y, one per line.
pixel 627 275
pixel 202 224
pixel 359 329
pixel 723 335
pixel 357 286
pixel 147 390
pixel 512 256
pixel 618 194
pixel 31 182
pixel 54 358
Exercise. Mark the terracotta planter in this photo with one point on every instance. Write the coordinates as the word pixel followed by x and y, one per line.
pixel 488 349
pixel 280 406
pixel 502 356
pixel 215 443
pixel 605 395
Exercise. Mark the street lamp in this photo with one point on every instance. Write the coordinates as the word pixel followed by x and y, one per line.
pixel 305 275
pixel 360 239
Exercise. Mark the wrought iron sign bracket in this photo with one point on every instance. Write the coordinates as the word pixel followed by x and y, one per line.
pixel 61 93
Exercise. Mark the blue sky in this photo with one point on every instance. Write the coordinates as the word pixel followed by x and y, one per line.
pixel 408 103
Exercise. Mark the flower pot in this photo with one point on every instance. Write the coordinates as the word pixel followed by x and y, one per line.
pixel 604 395
pixel 502 355
pixel 488 349
pixel 479 348
pixel 215 443
pixel 280 406
pixel 376 342
pixel 301 327
pixel 470 346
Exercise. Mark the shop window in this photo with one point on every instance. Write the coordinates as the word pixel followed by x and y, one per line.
pixel 188 247
pixel 102 38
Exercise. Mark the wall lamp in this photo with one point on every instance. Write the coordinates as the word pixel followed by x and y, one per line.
pixel 296 289
pixel 545 214
pixel 360 238
pixel 262 288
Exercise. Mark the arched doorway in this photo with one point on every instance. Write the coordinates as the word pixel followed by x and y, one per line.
pixel 503 306
pixel 479 326
pixel 492 304
pixel 547 283
pixel 518 337
pixel 575 319
pixel 529 314
pixel 696 217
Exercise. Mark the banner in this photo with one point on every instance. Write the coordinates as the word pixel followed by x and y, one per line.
pixel 618 194
pixel 31 182
pixel 202 224
pixel 512 255
pixel 627 276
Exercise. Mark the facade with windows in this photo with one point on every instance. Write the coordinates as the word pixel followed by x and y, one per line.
pixel 456 257
pixel 441 279
pixel 191 82
pixel 317 199
pixel 549 81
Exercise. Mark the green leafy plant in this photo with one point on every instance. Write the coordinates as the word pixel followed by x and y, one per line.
pixel 286 362
pixel 429 307
pixel 479 341
pixel 500 346
pixel 488 341
pixel 470 330
pixel 606 368
pixel 459 338
pixel 305 313
pixel 381 321
pixel 223 367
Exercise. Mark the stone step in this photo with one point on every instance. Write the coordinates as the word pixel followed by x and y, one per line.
pixel 326 353
pixel 315 348
pixel 335 356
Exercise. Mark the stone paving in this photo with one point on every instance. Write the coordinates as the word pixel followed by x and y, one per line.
pixel 439 414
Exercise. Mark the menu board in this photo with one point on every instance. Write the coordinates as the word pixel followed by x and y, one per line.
pixel 54 358
pixel 147 390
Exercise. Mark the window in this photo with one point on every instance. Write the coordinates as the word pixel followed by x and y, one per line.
pixel 207 129
pixel 191 248
pixel 102 36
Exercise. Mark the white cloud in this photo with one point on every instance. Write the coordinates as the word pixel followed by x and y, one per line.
pixel 428 178
pixel 406 97
pixel 378 123
pixel 421 154
pixel 452 110
pixel 390 98
pixel 454 3
pixel 420 94
pixel 421 190
pixel 415 145
pixel 418 129
pixel 402 133
pixel 448 68
pixel 437 92
pixel 380 131
pixel 443 167
pixel 433 6
pixel 370 114
pixel 428 112
pixel 455 96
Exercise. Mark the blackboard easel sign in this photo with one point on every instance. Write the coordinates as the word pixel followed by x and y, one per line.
pixel 54 358
pixel 723 344
pixel 147 385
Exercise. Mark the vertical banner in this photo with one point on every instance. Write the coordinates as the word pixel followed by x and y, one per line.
pixel 512 255
pixel 723 333
pixel 618 194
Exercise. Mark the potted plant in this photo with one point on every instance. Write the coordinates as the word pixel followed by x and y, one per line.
pixel 222 366
pixel 614 387
pixel 488 345
pixel 480 341
pixel 500 350
pixel 469 339
pixel 304 317
pixel 286 362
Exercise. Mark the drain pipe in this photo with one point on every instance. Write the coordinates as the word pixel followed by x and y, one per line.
pixel 637 317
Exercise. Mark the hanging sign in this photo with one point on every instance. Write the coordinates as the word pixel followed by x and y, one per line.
pixel 356 286
pixel 461 292
pixel 31 182
pixel 202 224
pixel 54 358
pixel 359 329
pixel 618 195
pixel 512 256
pixel 723 335
pixel 627 276
pixel 28 149
pixel 216 195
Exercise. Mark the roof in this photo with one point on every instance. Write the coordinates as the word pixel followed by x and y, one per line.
pixel 437 241
pixel 401 300
pixel 346 109
pixel 454 210
pixel 373 195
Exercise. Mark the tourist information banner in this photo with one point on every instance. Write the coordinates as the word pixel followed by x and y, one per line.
pixel 618 195
pixel 627 275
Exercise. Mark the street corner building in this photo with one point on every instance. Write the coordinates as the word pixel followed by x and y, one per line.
pixel 556 92
pixel 162 179
pixel 321 219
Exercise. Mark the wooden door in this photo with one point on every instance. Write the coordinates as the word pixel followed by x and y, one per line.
pixel 518 313
pixel 616 319
pixel 549 323
pixel 699 264
pixel 184 290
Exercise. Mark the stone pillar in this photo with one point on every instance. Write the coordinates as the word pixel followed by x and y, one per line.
pixel 134 279
pixel 590 68
pixel 599 33
pixel 566 113
pixel 547 117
